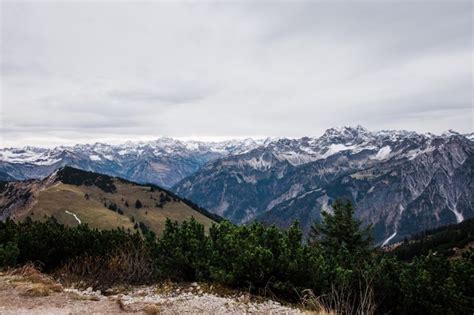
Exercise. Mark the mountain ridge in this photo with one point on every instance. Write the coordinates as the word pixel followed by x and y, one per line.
pixel 281 179
pixel 163 161
pixel 376 171
pixel 75 196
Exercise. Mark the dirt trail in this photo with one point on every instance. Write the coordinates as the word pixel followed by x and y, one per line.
pixel 35 295
pixel 18 296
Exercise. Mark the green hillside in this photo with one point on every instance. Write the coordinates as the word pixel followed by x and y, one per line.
pixel 74 197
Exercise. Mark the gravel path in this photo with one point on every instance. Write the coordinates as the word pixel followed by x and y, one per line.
pixel 21 296
pixel 197 302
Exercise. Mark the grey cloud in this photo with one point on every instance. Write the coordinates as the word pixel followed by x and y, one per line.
pixel 176 96
pixel 75 70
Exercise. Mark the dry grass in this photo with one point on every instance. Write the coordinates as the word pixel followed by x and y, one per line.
pixel 55 200
pixel 312 304
pixel 32 283
pixel 35 290
pixel 131 265
pixel 342 299
pixel 30 273
pixel 151 309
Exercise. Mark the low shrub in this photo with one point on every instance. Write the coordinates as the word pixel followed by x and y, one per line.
pixel 337 270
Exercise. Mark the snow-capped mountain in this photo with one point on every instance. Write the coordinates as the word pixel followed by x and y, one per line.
pixel 164 161
pixel 401 182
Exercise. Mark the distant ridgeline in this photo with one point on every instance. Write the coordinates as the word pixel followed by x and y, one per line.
pixel 401 182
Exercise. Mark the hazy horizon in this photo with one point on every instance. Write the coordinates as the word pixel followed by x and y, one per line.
pixel 144 139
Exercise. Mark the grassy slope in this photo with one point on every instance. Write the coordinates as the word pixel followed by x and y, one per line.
pixel 55 200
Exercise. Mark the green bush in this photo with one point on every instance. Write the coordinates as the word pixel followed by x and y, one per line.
pixel 338 264
pixel 8 254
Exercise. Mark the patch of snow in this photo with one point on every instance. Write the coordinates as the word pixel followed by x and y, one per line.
pixel 414 153
pixel 74 215
pixel 296 158
pixel 237 178
pixel 383 153
pixel 459 216
pixel 94 157
pixel 259 163
pixel 218 150
pixel 308 192
pixel 450 133
pixel 401 208
pixel 336 148
pixel 371 189
pixel 389 238
pixel 191 145
pixel 308 150
pixel 38 157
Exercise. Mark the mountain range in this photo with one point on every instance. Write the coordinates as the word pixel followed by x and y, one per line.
pixel 164 161
pixel 401 182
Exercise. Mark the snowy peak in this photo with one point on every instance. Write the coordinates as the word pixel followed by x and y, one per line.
pixel 165 161
pixel 450 133
pixel 400 181
pixel 100 151
pixel 347 134
pixel 31 155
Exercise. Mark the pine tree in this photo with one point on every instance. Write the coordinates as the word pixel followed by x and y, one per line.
pixel 340 230
pixel 138 204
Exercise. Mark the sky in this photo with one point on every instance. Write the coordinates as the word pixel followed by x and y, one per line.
pixel 76 72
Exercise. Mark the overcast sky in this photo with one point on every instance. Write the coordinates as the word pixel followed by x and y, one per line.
pixel 113 71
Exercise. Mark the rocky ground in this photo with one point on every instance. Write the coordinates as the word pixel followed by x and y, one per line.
pixel 29 292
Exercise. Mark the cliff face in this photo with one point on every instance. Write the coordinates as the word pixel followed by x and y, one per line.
pixel 400 182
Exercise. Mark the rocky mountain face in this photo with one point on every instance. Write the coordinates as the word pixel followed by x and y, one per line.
pixel 400 182
pixel 163 162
